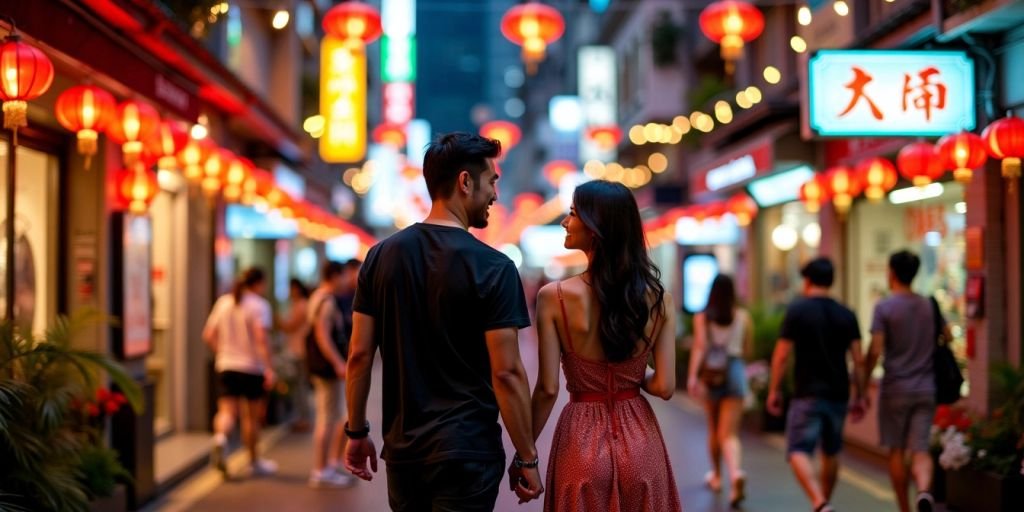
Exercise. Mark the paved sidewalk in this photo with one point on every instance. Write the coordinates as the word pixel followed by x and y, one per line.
pixel 771 487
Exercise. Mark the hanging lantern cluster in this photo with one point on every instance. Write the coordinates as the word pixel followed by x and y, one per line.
pixel 843 185
pixel 605 137
pixel 878 176
pixel 134 123
pixel 136 187
pixel 86 110
pixel 962 153
pixel 505 132
pixel 919 162
pixel 1004 140
pixel 533 26
pixel 355 22
pixel 25 74
pixel 814 193
pixel 731 23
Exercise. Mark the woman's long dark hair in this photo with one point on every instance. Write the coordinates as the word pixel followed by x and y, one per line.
pixel 249 279
pixel 299 287
pixel 622 275
pixel 721 306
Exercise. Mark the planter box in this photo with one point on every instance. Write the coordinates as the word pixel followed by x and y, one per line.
pixel 977 491
pixel 116 502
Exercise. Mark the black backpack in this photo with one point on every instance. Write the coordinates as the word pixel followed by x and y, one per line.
pixel 316 362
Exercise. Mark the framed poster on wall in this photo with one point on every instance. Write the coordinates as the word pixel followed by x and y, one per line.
pixel 136 311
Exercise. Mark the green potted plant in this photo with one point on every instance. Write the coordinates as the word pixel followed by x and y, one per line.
pixel 42 443
pixel 767 320
pixel 983 463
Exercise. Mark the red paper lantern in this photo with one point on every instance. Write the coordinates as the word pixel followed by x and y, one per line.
pixel 256 186
pixel 605 137
pixel 215 170
pixel 558 169
pixel 353 21
pixel 170 138
pixel 919 162
pixel 193 156
pixel 814 193
pixel 136 188
pixel 715 210
pixel 533 26
pixel 85 110
pixel 133 123
pixel 390 134
pixel 508 134
pixel 843 185
pixel 878 176
pixel 731 23
pixel 742 207
pixel 25 74
pixel 526 203
pixel 1004 139
pixel 235 178
pixel 962 152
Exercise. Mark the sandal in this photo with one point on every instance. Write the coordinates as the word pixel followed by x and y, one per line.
pixel 738 491
pixel 712 481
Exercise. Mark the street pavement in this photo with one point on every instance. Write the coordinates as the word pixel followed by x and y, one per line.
pixel 863 485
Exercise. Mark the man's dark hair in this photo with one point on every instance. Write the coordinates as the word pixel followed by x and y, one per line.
pixel 331 270
pixel 453 153
pixel 819 272
pixel 904 266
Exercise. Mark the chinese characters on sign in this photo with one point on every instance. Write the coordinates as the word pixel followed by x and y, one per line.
pixel 882 93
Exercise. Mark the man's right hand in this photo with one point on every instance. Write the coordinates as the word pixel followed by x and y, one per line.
pixel 527 483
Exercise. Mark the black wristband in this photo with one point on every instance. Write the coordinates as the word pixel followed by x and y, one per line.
pixel 521 464
pixel 358 434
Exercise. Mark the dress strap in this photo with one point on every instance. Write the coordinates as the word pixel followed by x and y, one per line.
pixel 565 319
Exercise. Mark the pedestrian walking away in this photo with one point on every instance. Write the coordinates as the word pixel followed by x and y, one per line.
pixel 820 332
pixel 444 309
pixel 608 453
pixel 326 351
pixel 723 333
pixel 295 326
pixel 237 332
pixel 904 330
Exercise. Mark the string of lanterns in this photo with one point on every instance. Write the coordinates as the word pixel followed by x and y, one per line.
pixel 921 163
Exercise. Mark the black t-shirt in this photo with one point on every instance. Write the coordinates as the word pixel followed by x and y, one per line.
pixel 821 330
pixel 433 292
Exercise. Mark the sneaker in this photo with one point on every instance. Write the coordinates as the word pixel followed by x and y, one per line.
pixel 263 467
pixel 330 478
pixel 217 459
pixel 925 502
pixel 712 481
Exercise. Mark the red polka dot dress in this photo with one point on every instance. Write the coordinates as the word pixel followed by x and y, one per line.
pixel 608 454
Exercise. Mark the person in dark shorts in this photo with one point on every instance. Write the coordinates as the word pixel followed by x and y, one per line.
pixel 444 309
pixel 903 329
pixel 820 332
pixel 237 332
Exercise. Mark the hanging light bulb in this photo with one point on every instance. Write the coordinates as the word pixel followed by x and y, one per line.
pixel 803 15
pixel 841 7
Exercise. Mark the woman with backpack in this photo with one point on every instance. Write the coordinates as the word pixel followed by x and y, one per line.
pixel 723 332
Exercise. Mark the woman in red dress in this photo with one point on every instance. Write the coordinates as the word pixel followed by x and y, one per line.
pixel 608 453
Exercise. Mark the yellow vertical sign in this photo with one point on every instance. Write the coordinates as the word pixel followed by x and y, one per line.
pixel 343 100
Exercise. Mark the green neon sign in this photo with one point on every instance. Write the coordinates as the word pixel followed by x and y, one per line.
pixel 398 56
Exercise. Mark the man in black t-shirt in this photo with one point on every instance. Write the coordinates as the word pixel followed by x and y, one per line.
pixel 444 309
pixel 820 332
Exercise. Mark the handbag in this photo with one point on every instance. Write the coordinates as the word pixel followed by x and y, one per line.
pixel 948 378
pixel 714 366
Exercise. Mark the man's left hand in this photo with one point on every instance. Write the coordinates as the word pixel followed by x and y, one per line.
pixel 357 451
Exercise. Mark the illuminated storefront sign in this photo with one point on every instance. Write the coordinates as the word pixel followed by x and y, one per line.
pixel 780 188
pixel 596 84
pixel 735 168
pixel 342 101
pixel 398 103
pixel 735 171
pixel 884 93
pixel 399 58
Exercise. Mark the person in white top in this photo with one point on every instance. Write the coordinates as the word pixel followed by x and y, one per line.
pixel 723 333
pixel 237 332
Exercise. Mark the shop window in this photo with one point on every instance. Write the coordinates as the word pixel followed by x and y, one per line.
pixel 35 236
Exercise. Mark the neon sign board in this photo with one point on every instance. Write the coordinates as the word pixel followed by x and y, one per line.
pixel 886 93
pixel 342 101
